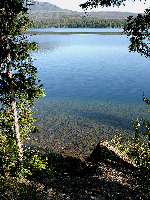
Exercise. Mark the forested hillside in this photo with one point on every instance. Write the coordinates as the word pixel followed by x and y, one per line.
pixel 47 15
pixel 74 21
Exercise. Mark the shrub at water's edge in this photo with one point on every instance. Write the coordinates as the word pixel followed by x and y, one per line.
pixel 137 152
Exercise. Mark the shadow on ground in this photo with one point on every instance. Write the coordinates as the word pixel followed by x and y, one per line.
pixel 104 175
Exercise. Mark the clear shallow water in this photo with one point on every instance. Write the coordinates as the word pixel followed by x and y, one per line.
pixel 93 87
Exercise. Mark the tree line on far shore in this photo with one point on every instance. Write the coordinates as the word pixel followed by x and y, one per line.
pixel 76 22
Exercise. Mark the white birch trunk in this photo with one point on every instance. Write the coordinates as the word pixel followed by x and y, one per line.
pixel 16 125
pixel 13 106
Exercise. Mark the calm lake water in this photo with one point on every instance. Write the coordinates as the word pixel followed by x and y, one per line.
pixel 91 66
pixel 91 78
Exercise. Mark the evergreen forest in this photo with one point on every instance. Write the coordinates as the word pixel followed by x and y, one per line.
pixel 74 21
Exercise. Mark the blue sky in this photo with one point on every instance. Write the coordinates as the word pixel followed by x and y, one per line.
pixel 137 7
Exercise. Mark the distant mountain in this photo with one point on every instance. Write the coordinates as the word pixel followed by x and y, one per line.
pixel 45 10
pixel 45 6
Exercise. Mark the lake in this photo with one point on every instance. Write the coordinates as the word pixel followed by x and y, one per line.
pixel 93 85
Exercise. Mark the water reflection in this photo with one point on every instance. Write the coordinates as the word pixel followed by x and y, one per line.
pixel 91 66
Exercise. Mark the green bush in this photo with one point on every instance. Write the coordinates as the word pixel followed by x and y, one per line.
pixel 34 164
pixel 138 152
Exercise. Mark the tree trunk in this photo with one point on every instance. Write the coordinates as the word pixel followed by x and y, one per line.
pixel 11 88
pixel 16 125
pixel 13 105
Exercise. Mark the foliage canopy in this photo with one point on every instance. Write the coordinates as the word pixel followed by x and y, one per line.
pixel 19 85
